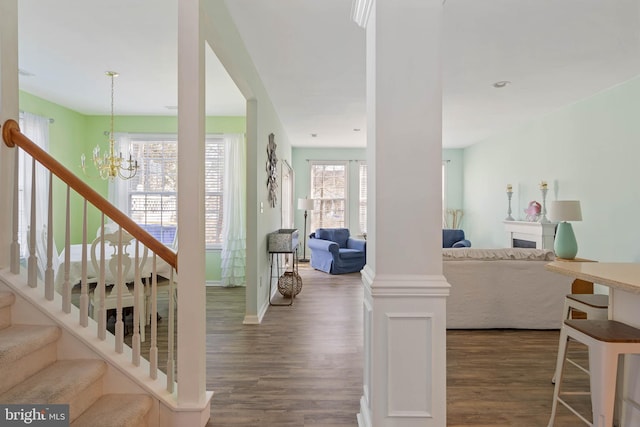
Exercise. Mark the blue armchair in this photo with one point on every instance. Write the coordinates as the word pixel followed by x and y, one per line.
pixel 334 251
pixel 454 239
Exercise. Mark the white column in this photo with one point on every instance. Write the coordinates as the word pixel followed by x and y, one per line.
pixel 191 255
pixel 404 290
pixel 8 110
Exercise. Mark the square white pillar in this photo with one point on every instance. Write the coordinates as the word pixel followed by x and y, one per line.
pixel 404 290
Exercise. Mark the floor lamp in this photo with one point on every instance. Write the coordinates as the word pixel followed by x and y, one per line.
pixel 307 205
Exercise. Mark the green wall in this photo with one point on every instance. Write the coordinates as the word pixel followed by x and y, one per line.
pixel 72 134
pixel 588 151
pixel 454 173
pixel 66 143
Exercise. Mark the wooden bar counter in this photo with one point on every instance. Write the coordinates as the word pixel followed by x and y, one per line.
pixel 623 280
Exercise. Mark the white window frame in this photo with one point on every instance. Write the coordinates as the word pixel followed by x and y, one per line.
pixel 314 224
pixel 121 196
pixel 363 182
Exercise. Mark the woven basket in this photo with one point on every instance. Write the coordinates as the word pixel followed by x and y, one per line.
pixel 289 280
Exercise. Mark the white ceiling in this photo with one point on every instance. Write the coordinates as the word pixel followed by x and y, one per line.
pixel 311 59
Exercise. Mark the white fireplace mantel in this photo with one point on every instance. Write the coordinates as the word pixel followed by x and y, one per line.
pixel 540 234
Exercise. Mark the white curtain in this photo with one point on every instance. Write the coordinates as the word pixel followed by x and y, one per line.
pixel 233 257
pixel 36 128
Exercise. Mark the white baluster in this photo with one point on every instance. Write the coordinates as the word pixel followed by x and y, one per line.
pixel 118 286
pixel 32 263
pixel 153 349
pixel 171 368
pixel 84 296
pixel 144 308
pixel 48 272
pixel 101 289
pixel 66 286
pixel 15 243
pixel 135 340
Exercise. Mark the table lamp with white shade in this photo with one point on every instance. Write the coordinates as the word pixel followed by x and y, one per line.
pixel 565 245
pixel 307 205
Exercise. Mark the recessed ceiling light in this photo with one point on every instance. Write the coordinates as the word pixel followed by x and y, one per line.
pixel 501 84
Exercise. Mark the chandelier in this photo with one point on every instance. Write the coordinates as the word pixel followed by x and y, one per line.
pixel 108 165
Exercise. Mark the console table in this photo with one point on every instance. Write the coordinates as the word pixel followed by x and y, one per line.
pixel 284 241
pixel 294 271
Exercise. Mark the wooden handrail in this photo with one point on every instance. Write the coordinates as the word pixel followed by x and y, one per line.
pixel 13 136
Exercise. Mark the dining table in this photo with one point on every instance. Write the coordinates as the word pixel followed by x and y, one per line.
pixel 75 266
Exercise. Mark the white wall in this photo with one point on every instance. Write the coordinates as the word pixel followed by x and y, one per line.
pixel 588 151
pixel 454 184
pixel 261 121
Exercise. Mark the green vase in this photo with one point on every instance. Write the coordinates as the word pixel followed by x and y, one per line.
pixel 565 244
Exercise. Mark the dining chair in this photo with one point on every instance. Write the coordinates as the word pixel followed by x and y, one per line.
pixel 119 271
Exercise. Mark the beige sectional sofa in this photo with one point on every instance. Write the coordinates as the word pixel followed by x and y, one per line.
pixel 503 288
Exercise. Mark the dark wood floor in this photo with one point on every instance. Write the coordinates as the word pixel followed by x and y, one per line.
pixel 303 365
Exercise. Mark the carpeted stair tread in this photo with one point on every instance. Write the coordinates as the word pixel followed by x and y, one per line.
pixel 57 383
pixel 6 299
pixel 6 302
pixel 17 341
pixel 116 410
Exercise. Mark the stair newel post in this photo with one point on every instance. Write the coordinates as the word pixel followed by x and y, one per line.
pixel 102 315
pixel 32 264
pixel 135 339
pixel 48 273
pixel 171 368
pixel 84 296
pixel 153 349
pixel 15 243
pixel 118 287
pixel 66 286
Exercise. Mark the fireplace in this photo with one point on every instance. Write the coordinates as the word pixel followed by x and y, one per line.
pixel 520 243
pixel 524 234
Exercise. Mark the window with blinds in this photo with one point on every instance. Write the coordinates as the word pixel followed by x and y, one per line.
pixel 152 193
pixel 329 191
pixel 362 214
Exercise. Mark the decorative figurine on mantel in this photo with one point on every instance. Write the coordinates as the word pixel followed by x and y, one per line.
pixel 509 194
pixel 543 217
pixel 533 211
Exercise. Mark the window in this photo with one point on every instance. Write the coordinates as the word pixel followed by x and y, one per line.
pixel 362 206
pixel 152 197
pixel 329 190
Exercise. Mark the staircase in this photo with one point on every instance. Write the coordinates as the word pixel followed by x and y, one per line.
pixel 32 373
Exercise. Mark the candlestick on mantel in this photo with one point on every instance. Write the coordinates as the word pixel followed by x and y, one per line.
pixel 543 217
pixel 509 194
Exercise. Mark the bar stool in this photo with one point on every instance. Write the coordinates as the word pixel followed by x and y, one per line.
pixel 595 306
pixel 606 340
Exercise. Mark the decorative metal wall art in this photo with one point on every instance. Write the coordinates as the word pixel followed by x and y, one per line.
pixel 272 171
